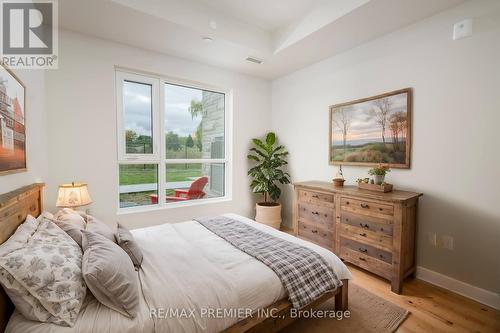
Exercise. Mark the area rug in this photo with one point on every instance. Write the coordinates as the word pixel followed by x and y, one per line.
pixel 368 313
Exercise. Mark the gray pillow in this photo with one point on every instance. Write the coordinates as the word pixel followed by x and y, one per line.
pixel 126 240
pixel 98 227
pixel 69 221
pixel 109 274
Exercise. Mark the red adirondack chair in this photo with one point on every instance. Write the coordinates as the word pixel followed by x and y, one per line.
pixel 195 192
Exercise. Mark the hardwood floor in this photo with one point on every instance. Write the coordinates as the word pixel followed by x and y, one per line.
pixel 432 308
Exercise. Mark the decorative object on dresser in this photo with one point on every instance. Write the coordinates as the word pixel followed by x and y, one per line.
pixel 73 195
pixel 372 230
pixel 372 130
pixel 266 175
pixel 379 173
pixel 12 123
pixel 378 184
pixel 339 178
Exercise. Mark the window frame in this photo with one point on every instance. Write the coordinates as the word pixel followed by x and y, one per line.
pixel 158 157
pixel 155 113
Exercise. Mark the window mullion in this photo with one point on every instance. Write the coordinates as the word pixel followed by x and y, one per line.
pixel 162 147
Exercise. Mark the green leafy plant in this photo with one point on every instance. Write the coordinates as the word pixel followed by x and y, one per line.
pixel 380 170
pixel 270 158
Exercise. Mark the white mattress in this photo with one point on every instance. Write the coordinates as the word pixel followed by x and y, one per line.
pixel 187 267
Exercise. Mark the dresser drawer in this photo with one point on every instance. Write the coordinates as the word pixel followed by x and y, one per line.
pixel 323 217
pixel 362 260
pixel 316 234
pixel 366 249
pixel 369 208
pixel 376 239
pixel 316 198
pixel 367 222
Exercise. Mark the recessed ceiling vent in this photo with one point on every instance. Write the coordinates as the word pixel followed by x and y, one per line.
pixel 254 60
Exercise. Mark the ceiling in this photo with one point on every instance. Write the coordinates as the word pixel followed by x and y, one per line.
pixel 286 34
pixel 268 15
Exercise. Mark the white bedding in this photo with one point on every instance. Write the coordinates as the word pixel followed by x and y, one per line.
pixel 187 267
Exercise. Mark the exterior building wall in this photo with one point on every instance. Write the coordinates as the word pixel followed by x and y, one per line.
pixel 213 139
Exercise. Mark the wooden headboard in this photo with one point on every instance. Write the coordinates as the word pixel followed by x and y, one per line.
pixel 14 207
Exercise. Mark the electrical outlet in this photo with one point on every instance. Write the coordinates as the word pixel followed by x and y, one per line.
pixel 433 239
pixel 447 242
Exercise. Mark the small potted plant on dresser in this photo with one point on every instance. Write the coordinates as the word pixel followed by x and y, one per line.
pixel 379 173
pixel 266 174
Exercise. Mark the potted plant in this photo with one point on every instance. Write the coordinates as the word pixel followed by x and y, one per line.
pixel 266 174
pixel 379 173
pixel 339 178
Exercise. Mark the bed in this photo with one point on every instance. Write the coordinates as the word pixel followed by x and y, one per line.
pixel 199 271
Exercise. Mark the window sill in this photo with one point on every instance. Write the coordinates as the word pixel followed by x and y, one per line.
pixel 172 205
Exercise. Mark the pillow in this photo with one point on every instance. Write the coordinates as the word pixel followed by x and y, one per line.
pixel 69 221
pixel 24 301
pixel 109 274
pixel 126 241
pixel 42 274
pixel 98 227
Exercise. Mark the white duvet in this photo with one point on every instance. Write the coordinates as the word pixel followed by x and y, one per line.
pixel 188 277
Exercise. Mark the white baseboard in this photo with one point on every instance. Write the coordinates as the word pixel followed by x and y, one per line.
pixel 478 294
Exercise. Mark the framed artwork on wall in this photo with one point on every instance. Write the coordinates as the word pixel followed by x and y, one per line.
pixel 371 131
pixel 12 123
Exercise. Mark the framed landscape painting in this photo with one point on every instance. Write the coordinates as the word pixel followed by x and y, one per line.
pixel 12 123
pixel 372 131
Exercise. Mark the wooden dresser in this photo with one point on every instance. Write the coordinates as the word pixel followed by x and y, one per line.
pixel 372 230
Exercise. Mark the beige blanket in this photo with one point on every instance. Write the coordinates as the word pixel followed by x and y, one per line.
pixel 189 275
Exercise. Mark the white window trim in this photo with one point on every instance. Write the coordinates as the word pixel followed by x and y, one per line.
pixel 159 149
pixel 156 113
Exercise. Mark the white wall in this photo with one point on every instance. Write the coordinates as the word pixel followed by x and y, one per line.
pixel 455 159
pixel 36 137
pixel 82 123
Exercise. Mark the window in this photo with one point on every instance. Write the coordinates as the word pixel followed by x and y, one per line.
pixel 172 142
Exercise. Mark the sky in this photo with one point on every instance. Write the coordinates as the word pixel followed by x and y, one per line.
pixel 137 105
pixel 363 128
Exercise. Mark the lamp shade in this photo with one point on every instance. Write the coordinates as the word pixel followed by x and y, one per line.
pixel 73 195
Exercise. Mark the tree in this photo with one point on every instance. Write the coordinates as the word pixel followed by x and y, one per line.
pixel 398 126
pixel 189 141
pixel 199 136
pixel 130 136
pixel 380 112
pixel 342 119
pixel 173 142
pixel 196 108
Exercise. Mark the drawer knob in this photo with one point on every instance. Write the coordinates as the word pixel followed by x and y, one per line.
pixel 363 234
pixel 314 231
pixel 366 226
pixel 315 213
pixel 363 250
pixel 363 205
pixel 315 196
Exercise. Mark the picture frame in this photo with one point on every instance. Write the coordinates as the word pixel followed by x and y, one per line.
pixel 372 131
pixel 13 157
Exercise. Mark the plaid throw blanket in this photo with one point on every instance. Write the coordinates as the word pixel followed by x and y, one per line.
pixel 304 274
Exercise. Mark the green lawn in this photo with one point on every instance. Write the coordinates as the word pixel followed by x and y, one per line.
pixel 147 174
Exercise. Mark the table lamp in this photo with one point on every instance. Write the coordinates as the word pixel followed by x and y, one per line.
pixel 73 195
